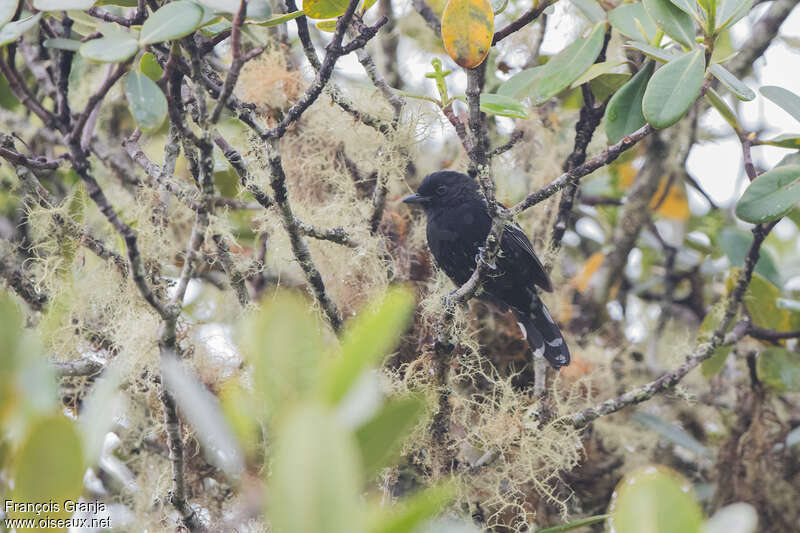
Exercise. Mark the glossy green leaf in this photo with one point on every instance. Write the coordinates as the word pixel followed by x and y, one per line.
pixel 147 103
pixel 13 30
pixel 628 18
pixel 63 44
pixel 673 89
pixel 62 5
pixel 672 20
pixel 788 140
pixel 575 524
pixel 408 514
pixel 771 195
pixel 369 337
pixel 624 110
pixel 716 101
pixel 729 12
pixel 734 84
pixel 7 10
pixel 606 85
pixel 171 21
pixel 591 10
pixel 567 65
pixel 315 484
pixel 108 50
pixel 597 69
pixel 734 518
pixel 761 302
pixel 655 499
pixel 653 52
pixel 783 98
pixel 687 6
pixel 327 25
pixel 258 10
pixel 150 67
pixel 283 343
pixel 324 9
pixel 734 243
pixel 280 19
pixel 779 368
pixel 520 84
pixel 381 437
pixel 673 433
pixel 710 6
pixel 50 464
pixel 501 105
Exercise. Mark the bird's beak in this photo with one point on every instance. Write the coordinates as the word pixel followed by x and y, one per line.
pixel 415 199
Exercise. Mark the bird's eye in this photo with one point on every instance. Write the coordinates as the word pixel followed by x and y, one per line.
pixel 441 189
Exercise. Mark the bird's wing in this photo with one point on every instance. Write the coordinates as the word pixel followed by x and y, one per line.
pixel 514 240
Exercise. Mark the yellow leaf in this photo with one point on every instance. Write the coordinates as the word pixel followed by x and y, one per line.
pixel 627 173
pixel 581 281
pixel 675 205
pixel 467 31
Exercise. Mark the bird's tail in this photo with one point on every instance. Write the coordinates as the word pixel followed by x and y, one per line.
pixel 543 334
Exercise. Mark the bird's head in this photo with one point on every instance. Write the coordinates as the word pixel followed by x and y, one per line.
pixel 445 189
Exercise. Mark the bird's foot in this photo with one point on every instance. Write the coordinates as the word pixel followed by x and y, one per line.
pixel 480 257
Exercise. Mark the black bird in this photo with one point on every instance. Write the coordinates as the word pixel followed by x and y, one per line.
pixel 458 224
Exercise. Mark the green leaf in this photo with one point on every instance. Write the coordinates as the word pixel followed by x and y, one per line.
pixel 734 518
pixel 735 242
pixel 673 433
pixel 380 438
pixel 591 10
pixel 108 50
pixel 711 366
pixel 63 44
pixel 771 195
pixel 258 10
pixel 13 30
pixel 729 12
pixel 283 342
pixel 628 18
pixel 407 515
pixel 761 302
pixel 672 20
pixel 171 21
pixel 779 368
pixel 567 65
pixel 785 99
pixel 501 105
pixel 575 524
pixel 49 465
pixel 280 19
pixel 710 6
pixel 7 10
pixel 734 84
pixel 201 409
pixel 327 25
pixel 787 140
pixel 597 69
pixel 147 103
pixel 605 85
pixel 653 52
pixel 369 337
pixel 687 6
pixel 150 67
pixel 624 110
pixel 315 486
pixel 655 499
pixel 716 101
pixel 324 9
pixel 62 5
pixel 673 89
pixel 520 84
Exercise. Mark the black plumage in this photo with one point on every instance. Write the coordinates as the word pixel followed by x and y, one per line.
pixel 458 224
